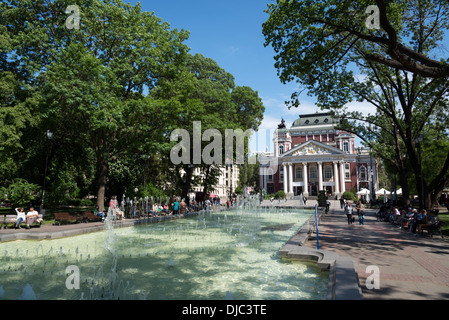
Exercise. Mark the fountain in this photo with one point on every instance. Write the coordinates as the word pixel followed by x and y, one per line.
pixel 220 252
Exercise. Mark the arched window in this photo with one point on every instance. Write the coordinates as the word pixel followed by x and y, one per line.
pixel 346 146
pixel 281 149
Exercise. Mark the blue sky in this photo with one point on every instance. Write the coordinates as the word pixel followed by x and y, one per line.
pixel 230 32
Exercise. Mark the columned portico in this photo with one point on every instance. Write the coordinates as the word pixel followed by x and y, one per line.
pixel 321 180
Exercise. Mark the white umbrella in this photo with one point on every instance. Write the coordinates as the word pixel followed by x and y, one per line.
pixel 381 192
pixel 363 191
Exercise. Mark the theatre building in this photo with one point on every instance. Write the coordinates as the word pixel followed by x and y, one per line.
pixel 313 155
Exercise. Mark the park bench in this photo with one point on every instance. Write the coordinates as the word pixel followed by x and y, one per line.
pixel 11 219
pixel 90 217
pixel 69 217
pixel 437 228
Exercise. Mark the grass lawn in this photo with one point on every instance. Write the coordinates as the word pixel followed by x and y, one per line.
pixel 445 217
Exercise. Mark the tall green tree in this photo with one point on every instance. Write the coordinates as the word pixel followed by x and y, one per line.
pixel 211 99
pixel 97 75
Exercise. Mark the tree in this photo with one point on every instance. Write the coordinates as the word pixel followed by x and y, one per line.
pixel 322 45
pixel 96 76
pixel 20 192
pixel 209 97
pixel 249 175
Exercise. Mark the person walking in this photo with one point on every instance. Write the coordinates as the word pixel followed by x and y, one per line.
pixel 176 207
pixel 348 212
pixel 361 212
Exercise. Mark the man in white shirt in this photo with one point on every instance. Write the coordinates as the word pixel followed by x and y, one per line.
pixel 32 216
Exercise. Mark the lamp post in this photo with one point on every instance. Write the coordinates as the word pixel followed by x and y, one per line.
pixel 418 140
pixel 49 137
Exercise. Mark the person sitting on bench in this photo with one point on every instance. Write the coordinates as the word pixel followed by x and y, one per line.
pixel 432 221
pixel 32 216
pixel 20 216
pixel 99 213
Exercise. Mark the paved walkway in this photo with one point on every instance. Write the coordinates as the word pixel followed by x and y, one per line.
pixel 410 267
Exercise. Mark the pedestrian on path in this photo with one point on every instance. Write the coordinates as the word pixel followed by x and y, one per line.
pixel 361 212
pixel 348 212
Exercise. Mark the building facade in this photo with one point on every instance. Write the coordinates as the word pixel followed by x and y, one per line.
pixel 313 155
pixel 227 181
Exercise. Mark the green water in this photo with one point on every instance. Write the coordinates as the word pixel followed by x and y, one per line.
pixel 224 255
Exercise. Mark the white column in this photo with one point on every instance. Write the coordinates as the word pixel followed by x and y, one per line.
pixel 342 177
pixel 285 178
pixel 336 182
pixel 290 178
pixel 320 176
pixel 305 179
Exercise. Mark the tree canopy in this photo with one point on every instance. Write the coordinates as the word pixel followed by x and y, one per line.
pixel 112 91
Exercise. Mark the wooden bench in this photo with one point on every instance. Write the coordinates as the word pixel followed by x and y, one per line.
pixel 90 217
pixel 68 217
pixel 11 219
pixel 431 229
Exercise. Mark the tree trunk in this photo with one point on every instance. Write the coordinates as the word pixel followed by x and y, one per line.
pixel 187 182
pixel 206 180
pixel 102 184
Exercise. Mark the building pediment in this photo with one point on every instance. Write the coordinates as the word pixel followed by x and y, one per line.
pixel 312 147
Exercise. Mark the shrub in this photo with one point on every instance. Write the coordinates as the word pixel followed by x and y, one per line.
pixel 322 198
pixel 280 194
pixel 86 203
pixel 347 195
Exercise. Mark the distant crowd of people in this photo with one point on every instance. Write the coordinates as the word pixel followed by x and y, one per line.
pixel 158 209
pixel 411 219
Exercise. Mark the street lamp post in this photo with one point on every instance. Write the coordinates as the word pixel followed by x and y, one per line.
pixel 49 137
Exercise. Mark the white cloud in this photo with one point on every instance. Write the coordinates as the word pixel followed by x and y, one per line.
pixel 233 50
pixel 269 122
pixel 364 107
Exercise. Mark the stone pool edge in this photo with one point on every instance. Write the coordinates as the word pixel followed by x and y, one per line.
pixel 343 281
pixel 84 228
